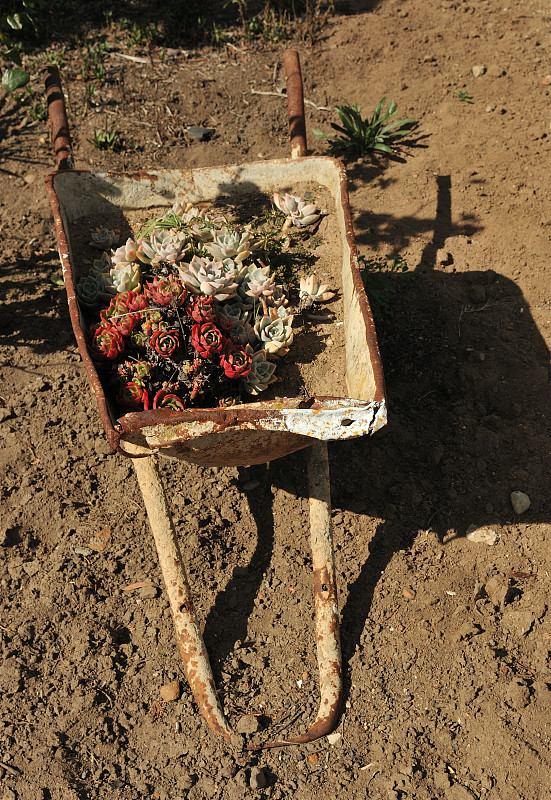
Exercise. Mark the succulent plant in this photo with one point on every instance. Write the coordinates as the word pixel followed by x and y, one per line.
pixel 278 298
pixel 201 308
pixel 132 395
pixel 236 361
pixel 126 277
pixel 312 291
pixel 126 253
pixel 232 313
pixel 231 244
pixel 243 333
pixel 207 339
pixel 102 265
pixel 103 239
pixel 166 399
pixel 208 277
pixel 107 343
pixel 256 279
pixel 261 374
pixel 165 342
pixel 91 292
pixel 163 245
pixel 275 333
pixel 299 212
pixel 166 291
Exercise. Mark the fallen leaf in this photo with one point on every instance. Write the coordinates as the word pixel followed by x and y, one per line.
pixel 100 540
pixel 137 585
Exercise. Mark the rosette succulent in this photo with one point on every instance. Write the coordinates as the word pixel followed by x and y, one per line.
pixel 103 239
pixel 232 314
pixel 165 342
pixel 231 244
pixel 261 374
pixel 275 333
pixel 132 395
pixel 126 277
pixel 299 212
pixel 201 308
pixel 166 399
pixel 107 343
pixel 236 362
pixel 166 291
pixel 207 339
pixel 163 246
pixel 312 291
pixel 126 253
pixel 208 277
pixel 91 292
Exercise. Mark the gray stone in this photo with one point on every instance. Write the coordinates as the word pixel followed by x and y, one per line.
pixel 520 502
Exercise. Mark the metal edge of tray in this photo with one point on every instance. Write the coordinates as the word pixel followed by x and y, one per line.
pixel 327 418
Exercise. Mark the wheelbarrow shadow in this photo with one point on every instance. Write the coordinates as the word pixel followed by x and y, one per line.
pixel 468 416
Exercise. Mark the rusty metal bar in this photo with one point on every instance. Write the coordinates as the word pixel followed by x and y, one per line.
pixel 325 602
pixel 295 103
pixel 192 647
pixel 57 114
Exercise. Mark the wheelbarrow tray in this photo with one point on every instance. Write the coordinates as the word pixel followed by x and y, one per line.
pixel 254 432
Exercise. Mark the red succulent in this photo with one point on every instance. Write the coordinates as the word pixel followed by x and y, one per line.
pixel 165 343
pixel 165 291
pixel 165 399
pixel 201 308
pixel 235 362
pixel 207 340
pixel 132 395
pixel 107 343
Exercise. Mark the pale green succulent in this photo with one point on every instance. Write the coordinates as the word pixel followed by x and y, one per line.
pixel 126 253
pixel 103 239
pixel 208 277
pixel 256 279
pixel 230 244
pixel 275 333
pixel 259 283
pixel 233 312
pixel 102 265
pixel 93 291
pixel 243 333
pixel 312 291
pixel 163 246
pixel 126 277
pixel 278 298
pixel 299 212
pixel 261 374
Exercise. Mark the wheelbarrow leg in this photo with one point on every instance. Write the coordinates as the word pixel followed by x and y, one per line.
pixel 325 601
pixel 192 647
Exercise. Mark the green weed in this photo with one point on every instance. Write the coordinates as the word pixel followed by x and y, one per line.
pixel 359 136
pixel 104 140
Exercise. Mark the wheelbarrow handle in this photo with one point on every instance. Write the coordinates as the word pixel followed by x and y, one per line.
pixel 57 114
pixel 295 103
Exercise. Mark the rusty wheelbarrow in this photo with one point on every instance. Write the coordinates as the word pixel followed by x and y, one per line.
pixel 245 434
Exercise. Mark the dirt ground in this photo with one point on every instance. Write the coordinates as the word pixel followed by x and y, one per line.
pixel 446 640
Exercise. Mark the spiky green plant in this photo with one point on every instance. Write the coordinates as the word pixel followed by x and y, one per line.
pixel 358 136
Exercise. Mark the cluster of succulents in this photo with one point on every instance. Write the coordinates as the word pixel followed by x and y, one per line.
pixel 187 314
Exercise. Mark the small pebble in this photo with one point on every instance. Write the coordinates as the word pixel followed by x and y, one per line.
pixel 409 594
pixel 171 691
pixel 478 70
pixel 482 535
pixel 520 502
pixel 334 738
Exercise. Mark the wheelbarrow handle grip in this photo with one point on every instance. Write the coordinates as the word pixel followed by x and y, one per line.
pixel 57 114
pixel 295 103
